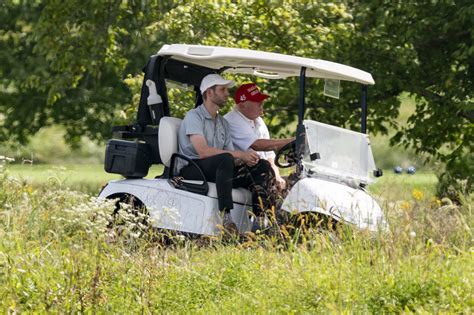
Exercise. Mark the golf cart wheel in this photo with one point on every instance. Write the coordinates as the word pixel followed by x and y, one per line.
pixel 140 216
pixel 133 206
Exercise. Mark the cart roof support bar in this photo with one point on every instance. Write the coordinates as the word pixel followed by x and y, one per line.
pixel 301 107
pixel 363 122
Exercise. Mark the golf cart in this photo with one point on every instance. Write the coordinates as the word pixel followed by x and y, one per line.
pixel 332 165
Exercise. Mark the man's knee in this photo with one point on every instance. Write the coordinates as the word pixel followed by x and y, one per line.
pixel 264 166
pixel 263 172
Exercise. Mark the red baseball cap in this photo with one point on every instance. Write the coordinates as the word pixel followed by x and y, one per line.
pixel 249 92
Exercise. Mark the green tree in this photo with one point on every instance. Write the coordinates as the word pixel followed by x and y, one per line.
pixel 64 62
pixel 425 48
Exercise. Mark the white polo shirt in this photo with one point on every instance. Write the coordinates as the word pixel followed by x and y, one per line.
pixel 245 131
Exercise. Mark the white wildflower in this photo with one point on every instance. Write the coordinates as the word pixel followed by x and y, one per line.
pixel 135 235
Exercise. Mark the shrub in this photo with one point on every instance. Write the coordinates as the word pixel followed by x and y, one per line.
pixel 457 181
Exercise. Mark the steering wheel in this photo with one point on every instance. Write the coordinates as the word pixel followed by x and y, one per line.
pixel 288 153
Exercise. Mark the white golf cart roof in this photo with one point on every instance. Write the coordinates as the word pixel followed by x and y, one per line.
pixel 263 64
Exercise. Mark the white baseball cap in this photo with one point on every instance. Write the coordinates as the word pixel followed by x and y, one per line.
pixel 214 79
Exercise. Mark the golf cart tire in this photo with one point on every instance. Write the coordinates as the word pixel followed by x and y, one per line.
pixel 136 205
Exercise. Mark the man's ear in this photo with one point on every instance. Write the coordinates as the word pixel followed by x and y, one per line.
pixel 205 96
pixel 209 91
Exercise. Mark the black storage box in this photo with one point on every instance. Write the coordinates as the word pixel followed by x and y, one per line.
pixel 130 159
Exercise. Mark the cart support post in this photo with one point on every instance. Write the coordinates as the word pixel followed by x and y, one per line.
pixel 300 131
pixel 363 123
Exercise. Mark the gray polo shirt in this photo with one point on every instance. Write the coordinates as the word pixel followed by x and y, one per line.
pixel 198 121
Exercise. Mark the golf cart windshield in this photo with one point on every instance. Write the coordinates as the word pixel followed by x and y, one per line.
pixel 337 153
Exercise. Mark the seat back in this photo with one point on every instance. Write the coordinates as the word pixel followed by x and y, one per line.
pixel 168 144
pixel 168 138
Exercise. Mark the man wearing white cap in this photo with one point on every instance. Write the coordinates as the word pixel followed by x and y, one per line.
pixel 204 136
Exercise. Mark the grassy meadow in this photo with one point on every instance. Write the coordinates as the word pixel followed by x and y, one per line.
pixel 87 178
pixel 59 255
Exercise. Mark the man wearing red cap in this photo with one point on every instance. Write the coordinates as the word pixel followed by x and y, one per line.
pixel 248 130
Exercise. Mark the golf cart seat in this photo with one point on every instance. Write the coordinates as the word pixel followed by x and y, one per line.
pixel 168 144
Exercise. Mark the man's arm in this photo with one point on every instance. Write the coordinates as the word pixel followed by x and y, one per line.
pixel 270 144
pixel 205 151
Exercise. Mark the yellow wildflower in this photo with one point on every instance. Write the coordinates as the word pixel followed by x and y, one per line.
pixel 436 202
pixel 417 194
pixel 405 205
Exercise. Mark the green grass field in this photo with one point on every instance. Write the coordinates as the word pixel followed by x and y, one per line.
pixel 90 178
pixel 58 255
pixel 82 177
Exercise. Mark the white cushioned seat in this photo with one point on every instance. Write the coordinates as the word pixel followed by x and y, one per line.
pixel 239 195
pixel 168 144
pixel 168 138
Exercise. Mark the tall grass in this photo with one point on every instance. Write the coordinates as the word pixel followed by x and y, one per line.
pixel 57 254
